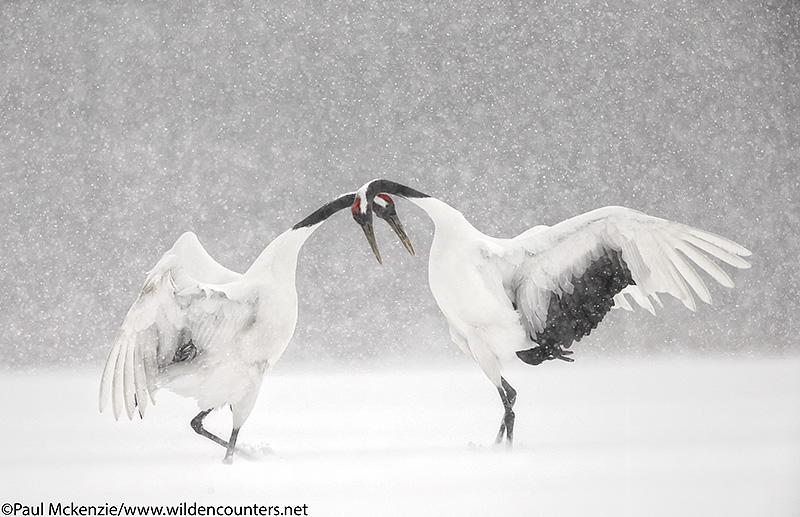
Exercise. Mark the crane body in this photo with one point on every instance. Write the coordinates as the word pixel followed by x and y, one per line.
pixel 534 295
pixel 209 333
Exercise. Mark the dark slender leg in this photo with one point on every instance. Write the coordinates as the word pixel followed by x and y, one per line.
pixel 509 417
pixel 509 396
pixel 197 425
pixel 501 433
pixel 231 447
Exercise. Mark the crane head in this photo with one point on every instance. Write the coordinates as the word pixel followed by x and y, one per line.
pixel 383 206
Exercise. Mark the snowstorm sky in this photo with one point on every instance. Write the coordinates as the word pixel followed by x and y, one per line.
pixel 124 124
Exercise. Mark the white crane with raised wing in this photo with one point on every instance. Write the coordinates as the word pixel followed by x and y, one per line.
pixel 209 333
pixel 535 294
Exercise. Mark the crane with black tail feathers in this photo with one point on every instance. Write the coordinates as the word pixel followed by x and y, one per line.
pixel 533 295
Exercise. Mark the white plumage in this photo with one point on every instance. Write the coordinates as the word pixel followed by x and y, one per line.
pixel 551 257
pixel 537 293
pixel 209 333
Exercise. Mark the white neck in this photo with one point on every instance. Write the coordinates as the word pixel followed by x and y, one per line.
pixel 445 216
pixel 279 258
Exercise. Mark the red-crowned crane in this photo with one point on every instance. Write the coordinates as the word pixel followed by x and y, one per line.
pixel 206 332
pixel 535 294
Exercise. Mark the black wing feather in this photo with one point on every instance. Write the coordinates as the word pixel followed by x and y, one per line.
pixel 571 316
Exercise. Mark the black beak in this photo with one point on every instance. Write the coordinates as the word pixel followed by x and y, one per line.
pixel 397 226
pixel 369 232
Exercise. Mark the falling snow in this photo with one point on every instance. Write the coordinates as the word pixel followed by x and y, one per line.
pixel 124 124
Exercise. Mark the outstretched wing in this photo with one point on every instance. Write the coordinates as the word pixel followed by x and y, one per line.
pixel 571 274
pixel 174 319
pixel 194 258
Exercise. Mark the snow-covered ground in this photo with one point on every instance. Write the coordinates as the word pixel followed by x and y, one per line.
pixel 597 437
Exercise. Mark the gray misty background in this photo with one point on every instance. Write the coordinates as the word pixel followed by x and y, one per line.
pixel 123 124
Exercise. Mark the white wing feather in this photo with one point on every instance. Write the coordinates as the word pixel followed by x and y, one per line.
pixel 655 251
pixel 173 304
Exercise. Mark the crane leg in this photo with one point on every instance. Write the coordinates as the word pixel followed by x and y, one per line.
pixel 231 447
pixel 508 395
pixel 197 425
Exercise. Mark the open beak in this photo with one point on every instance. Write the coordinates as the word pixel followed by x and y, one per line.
pixel 397 226
pixel 369 232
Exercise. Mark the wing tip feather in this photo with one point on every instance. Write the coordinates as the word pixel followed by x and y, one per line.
pixel 721 242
